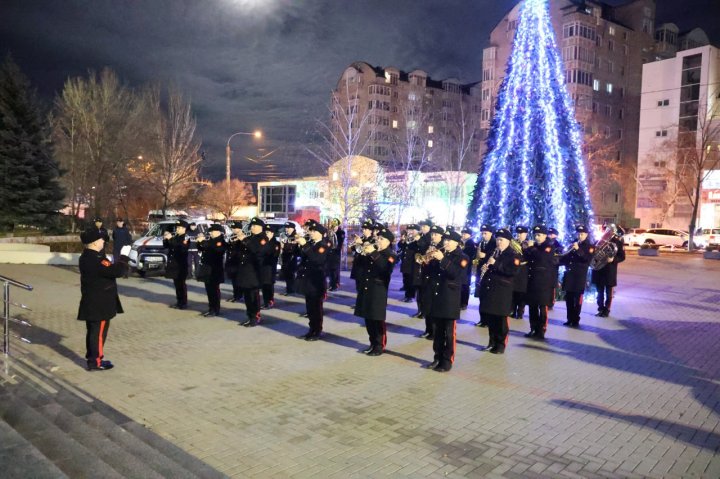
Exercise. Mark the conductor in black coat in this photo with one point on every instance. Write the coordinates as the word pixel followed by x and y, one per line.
pixel 99 301
pixel 576 263
pixel 212 249
pixel 372 298
pixel 469 248
pixel 289 257
pixel 311 278
pixel 408 266
pixel 443 299
pixel 177 264
pixel 496 290
pixel 605 278
pixel 541 259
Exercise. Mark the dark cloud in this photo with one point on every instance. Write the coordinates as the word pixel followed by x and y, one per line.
pixel 267 64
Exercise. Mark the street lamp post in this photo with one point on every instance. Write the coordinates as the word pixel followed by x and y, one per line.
pixel 256 134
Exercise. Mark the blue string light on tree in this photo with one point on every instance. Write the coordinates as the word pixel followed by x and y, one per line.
pixel 533 170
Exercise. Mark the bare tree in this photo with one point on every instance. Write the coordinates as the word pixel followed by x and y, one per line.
pixel 411 149
pixel 171 161
pixel 70 154
pixel 344 137
pixel 226 199
pixel 659 189
pixel 95 125
pixel 458 153
pixel 698 154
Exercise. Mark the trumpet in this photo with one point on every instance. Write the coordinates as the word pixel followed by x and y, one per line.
pixel 284 238
pixel 568 250
pixel 428 256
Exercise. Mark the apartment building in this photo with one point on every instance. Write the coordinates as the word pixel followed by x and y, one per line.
pixel 398 118
pixel 680 108
pixel 603 48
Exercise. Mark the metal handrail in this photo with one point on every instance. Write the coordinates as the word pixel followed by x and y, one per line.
pixel 5 279
pixel 7 282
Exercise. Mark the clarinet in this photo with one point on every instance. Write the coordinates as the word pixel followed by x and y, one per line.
pixel 486 266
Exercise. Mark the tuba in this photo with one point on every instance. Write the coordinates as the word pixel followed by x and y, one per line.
pixel 605 248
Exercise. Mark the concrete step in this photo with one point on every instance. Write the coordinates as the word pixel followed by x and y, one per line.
pixel 90 427
pixel 19 459
pixel 71 457
pixel 99 443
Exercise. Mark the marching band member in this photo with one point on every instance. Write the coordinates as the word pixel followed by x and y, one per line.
pixel 336 237
pixel 557 247
pixel 429 267
pixel 520 288
pixel 249 274
pixel 496 290
pixel 289 257
pixel 311 278
pixel 212 250
pixel 576 263
pixel 268 268
pixel 423 243
pixel 177 265
pixel 540 256
pixel 234 253
pixel 358 259
pixel 372 298
pixel 605 278
pixel 470 250
pixel 408 266
pixel 442 303
pixel 485 250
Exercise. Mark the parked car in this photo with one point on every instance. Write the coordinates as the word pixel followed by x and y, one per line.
pixel 665 237
pixel 632 236
pixel 148 253
pixel 709 237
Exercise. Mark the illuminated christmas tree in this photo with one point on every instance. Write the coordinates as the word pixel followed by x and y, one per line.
pixel 533 170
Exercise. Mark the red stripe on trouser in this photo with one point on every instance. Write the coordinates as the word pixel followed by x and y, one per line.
pixel 452 357
pixel 384 334
pixel 546 317
pixel 507 336
pixel 581 299
pixel 98 360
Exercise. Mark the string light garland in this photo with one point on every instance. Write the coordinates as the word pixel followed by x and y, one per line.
pixel 533 170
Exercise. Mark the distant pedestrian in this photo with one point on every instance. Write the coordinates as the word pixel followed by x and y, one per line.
pixel 98 222
pixel 121 237
pixel 99 301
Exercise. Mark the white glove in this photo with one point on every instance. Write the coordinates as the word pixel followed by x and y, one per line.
pixel 125 250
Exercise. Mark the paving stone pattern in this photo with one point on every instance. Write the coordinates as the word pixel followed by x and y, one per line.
pixel 633 395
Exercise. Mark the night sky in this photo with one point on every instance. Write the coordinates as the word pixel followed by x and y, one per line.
pixel 268 64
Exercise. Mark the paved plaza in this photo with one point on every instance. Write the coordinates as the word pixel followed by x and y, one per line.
pixel 633 395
